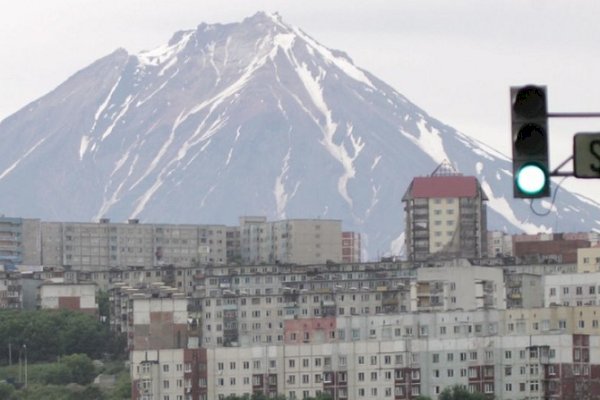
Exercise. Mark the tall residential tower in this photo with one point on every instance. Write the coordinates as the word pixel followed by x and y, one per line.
pixel 445 216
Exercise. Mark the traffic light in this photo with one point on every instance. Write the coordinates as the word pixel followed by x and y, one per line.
pixel 531 174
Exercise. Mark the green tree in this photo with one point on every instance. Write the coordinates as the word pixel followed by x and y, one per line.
pixel 122 389
pixel 458 392
pixel 46 334
pixel 56 374
pixel 81 368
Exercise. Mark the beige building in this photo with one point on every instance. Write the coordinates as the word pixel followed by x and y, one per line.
pixel 292 241
pixel 445 216
pixel 588 259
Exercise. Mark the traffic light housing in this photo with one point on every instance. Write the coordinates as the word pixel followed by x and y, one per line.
pixel 531 168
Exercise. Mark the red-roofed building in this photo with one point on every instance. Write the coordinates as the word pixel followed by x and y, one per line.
pixel 445 216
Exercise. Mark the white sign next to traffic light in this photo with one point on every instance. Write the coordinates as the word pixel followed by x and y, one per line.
pixel 586 155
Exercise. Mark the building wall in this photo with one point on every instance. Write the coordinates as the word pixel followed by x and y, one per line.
pixel 351 247
pixel 11 292
pixel 77 297
pixel 572 289
pixel 296 241
pixel 468 287
pixel 556 250
pixel 588 259
pixel 499 243
pixel 443 225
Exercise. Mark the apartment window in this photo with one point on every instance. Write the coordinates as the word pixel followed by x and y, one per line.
pixel 374 376
pixel 562 324
pixel 361 376
pixel 488 387
pixel 450 373
pixel 450 357
pixel 436 358
pixel 552 291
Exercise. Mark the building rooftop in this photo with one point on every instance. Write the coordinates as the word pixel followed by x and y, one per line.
pixel 443 186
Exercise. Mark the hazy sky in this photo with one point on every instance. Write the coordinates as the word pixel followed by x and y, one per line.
pixel 455 59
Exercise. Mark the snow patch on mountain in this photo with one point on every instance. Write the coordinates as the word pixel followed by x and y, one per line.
pixel 24 156
pixel 163 53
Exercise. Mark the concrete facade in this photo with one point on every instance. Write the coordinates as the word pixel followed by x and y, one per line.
pixel 588 259
pixel 67 296
pixel 292 241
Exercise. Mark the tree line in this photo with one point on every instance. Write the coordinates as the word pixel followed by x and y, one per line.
pixel 45 335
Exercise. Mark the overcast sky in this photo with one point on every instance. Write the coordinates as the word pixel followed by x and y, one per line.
pixel 455 59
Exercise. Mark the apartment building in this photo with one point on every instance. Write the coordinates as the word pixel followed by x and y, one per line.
pixel 523 290
pixel 19 241
pixel 588 259
pixel 572 289
pixel 459 287
pixel 68 296
pixel 407 355
pixel 445 216
pixel 92 246
pixel 166 362
pixel 556 248
pixel 292 241
pixel 11 290
pixel 500 244
pixel 351 248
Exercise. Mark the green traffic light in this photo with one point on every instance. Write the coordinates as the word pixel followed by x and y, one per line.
pixel 531 179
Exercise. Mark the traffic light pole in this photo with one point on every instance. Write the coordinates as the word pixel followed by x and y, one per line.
pixel 573 115
pixel 556 171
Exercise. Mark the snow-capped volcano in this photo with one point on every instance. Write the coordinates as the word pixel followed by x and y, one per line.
pixel 250 118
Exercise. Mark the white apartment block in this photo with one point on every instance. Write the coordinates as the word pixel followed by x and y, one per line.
pixel 403 356
pixel 572 289
pixel 458 287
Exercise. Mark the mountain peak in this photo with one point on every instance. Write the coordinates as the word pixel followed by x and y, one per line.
pixel 253 118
